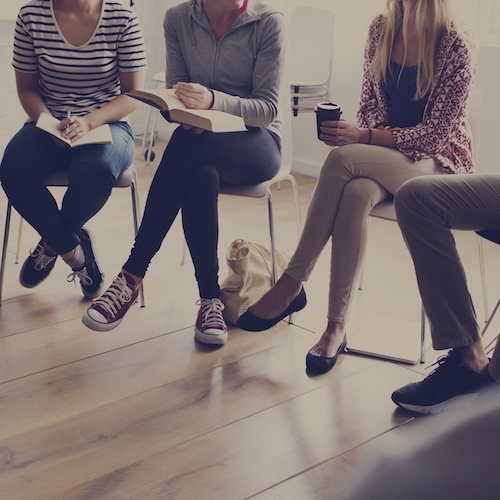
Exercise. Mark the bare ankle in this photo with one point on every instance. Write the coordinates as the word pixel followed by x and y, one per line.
pixel 334 328
pixel 474 357
pixel 289 284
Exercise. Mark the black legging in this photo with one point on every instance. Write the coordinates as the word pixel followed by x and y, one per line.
pixel 188 178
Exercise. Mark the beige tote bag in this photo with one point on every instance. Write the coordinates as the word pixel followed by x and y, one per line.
pixel 249 276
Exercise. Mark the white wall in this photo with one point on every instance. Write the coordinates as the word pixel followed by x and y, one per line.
pixel 352 19
pixel 10 8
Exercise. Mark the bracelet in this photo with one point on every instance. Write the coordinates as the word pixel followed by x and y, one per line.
pixel 369 136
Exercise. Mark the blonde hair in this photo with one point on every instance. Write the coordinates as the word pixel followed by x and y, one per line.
pixel 433 17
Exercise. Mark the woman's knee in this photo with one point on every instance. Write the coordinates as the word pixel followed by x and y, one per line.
pixel 96 175
pixel 363 193
pixel 416 195
pixel 337 161
pixel 15 171
pixel 244 158
pixel 204 178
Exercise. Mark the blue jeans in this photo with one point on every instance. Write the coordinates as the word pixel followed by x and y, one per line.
pixel 188 178
pixel 32 155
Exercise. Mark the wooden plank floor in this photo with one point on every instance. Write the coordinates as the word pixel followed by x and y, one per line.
pixel 144 412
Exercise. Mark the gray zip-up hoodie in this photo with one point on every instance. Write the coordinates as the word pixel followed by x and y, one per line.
pixel 243 69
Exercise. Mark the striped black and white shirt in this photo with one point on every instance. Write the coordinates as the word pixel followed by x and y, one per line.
pixel 77 79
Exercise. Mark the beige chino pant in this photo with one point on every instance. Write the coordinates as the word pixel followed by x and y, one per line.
pixel 352 181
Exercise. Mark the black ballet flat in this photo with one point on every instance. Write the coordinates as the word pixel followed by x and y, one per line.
pixel 322 364
pixel 251 323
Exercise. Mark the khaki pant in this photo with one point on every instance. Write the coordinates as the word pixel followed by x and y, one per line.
pixel 427 209
pixel 352 181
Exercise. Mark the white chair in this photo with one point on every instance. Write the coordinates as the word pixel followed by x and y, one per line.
pixel 264 188
pixel 310 55
pixel 152 120
pixel 60 179
pixel 390 343
pixel 493 236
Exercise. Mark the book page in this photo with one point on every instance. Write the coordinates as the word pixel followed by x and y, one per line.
pixel 49 124
pixel 98 135
pixel 164 99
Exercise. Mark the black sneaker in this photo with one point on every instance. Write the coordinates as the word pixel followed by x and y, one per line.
pixel 37 266
pixel 90 274
pixel 450 386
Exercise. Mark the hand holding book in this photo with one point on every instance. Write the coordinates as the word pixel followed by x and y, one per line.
pixel 194 95
pixel 51 125
pixel 174 110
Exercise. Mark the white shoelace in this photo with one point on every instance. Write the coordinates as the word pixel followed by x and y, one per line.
pixel 211 314
pixel 42 260
pixel 82 274
pixel 115 296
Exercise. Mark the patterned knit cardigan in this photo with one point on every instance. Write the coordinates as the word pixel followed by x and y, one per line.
pixel 444 133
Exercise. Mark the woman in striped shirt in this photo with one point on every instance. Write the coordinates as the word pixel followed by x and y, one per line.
pixel 74 60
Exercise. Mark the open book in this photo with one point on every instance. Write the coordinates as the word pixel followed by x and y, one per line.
pixel 98 135
pixel 173 110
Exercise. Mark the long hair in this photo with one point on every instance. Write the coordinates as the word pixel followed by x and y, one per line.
pixel 433 18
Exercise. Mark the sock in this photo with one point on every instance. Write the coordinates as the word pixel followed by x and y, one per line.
pixel 76 262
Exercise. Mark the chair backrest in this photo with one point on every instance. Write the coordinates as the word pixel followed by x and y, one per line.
pixel 286 132
pixel 311 45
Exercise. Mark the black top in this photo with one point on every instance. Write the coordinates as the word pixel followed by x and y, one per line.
pixel 400 88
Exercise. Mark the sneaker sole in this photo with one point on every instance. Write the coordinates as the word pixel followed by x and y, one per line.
pixel 99 327
pixel 207 338
pixel 457 403
pixel 98 292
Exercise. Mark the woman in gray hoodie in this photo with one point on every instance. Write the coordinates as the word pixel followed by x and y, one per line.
pixel 225 55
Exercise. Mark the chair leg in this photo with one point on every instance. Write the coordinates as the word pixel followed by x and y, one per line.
pixel 490 319
pixel 422 335
pixel 274 271
pixel 151 137
pixel 298 215
pixel 4 246
pixel 491 346
pixel 269 195
pixel 482 275
pixel 19 234
pixel 146 130
pixel 135 214
pixel 422 317
pixel 362 272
